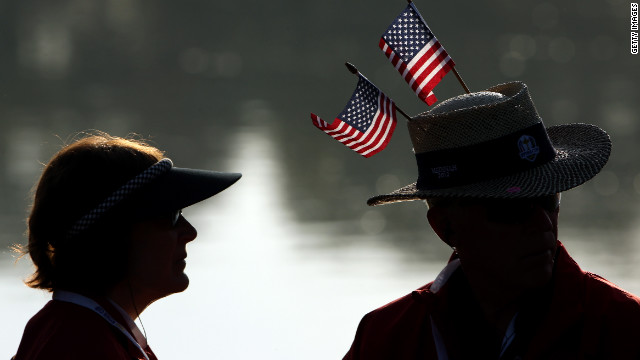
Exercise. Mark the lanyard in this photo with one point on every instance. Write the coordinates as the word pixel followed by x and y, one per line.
pixel 84 301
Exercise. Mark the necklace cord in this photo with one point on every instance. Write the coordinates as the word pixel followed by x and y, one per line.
pixel 137 312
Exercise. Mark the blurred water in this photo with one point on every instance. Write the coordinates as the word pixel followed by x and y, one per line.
pixel 264 285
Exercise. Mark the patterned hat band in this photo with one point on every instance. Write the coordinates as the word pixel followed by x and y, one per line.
pixel 523 150
pixel 120 194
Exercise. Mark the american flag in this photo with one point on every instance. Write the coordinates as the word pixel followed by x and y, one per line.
pixel 367 121
pixel 416 53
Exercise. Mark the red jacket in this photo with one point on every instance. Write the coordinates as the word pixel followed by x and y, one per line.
pixel 579 316
pixel 66 331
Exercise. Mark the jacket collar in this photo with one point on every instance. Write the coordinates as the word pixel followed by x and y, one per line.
pixel 567 301
pixel 567 293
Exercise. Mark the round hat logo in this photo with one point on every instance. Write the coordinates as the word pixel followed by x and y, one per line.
pixel 528 148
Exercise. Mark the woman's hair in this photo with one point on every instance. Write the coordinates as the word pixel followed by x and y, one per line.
pixel 77 179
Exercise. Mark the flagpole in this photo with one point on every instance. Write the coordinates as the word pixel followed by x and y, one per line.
pixel 355 71
pixel 464 86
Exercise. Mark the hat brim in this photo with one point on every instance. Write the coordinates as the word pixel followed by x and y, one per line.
pixel 178 189
pixel 582 151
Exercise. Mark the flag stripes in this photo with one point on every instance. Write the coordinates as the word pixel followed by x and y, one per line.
pixel 422 69
pixel 374 139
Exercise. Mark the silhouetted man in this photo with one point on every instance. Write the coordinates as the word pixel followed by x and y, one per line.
pixel 492 175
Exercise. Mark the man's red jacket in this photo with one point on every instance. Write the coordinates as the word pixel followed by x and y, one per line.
pixel 579 316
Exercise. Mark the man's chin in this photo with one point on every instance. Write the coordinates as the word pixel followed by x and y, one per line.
pixel 538 277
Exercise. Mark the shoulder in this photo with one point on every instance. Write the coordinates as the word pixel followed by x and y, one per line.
pixel 66 330
pixel 405 306
pixel 594 292
pixel 392 329
pixel 611 317
pixel 58 317
pixel 609 297
pixel 401 316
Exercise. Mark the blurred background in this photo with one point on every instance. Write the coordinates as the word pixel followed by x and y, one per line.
pixel 290 258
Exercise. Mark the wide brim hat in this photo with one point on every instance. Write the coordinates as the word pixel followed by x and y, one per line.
pixel 493 144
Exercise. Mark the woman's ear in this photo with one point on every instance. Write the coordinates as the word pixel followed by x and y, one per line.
pixel 440 223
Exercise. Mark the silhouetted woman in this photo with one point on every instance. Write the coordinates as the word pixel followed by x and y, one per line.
pixel 107 238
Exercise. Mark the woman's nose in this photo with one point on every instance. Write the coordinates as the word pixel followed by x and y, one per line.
pixel 187 231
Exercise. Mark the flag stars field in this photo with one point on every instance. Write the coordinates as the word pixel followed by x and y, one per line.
pixel 366 123
pixel 416 53
pixel 363 106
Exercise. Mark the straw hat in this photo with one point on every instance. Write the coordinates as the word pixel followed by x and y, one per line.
pixel 493 144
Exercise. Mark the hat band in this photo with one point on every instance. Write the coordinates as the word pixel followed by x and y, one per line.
pixel 121 193
pixel 510 154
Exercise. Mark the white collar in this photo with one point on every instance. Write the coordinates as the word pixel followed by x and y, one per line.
pixel 444 275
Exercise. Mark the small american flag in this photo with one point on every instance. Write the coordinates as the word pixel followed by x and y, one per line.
pixel 367 121
pixel 416 53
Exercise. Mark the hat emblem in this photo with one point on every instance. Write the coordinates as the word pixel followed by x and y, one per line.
pixel 529 150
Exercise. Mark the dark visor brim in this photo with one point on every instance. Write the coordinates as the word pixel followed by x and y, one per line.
pixel 178 189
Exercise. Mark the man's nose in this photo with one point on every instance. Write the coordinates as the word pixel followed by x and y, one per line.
pixel 540 219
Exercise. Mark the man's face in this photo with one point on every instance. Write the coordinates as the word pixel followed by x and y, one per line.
pixel 509 243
